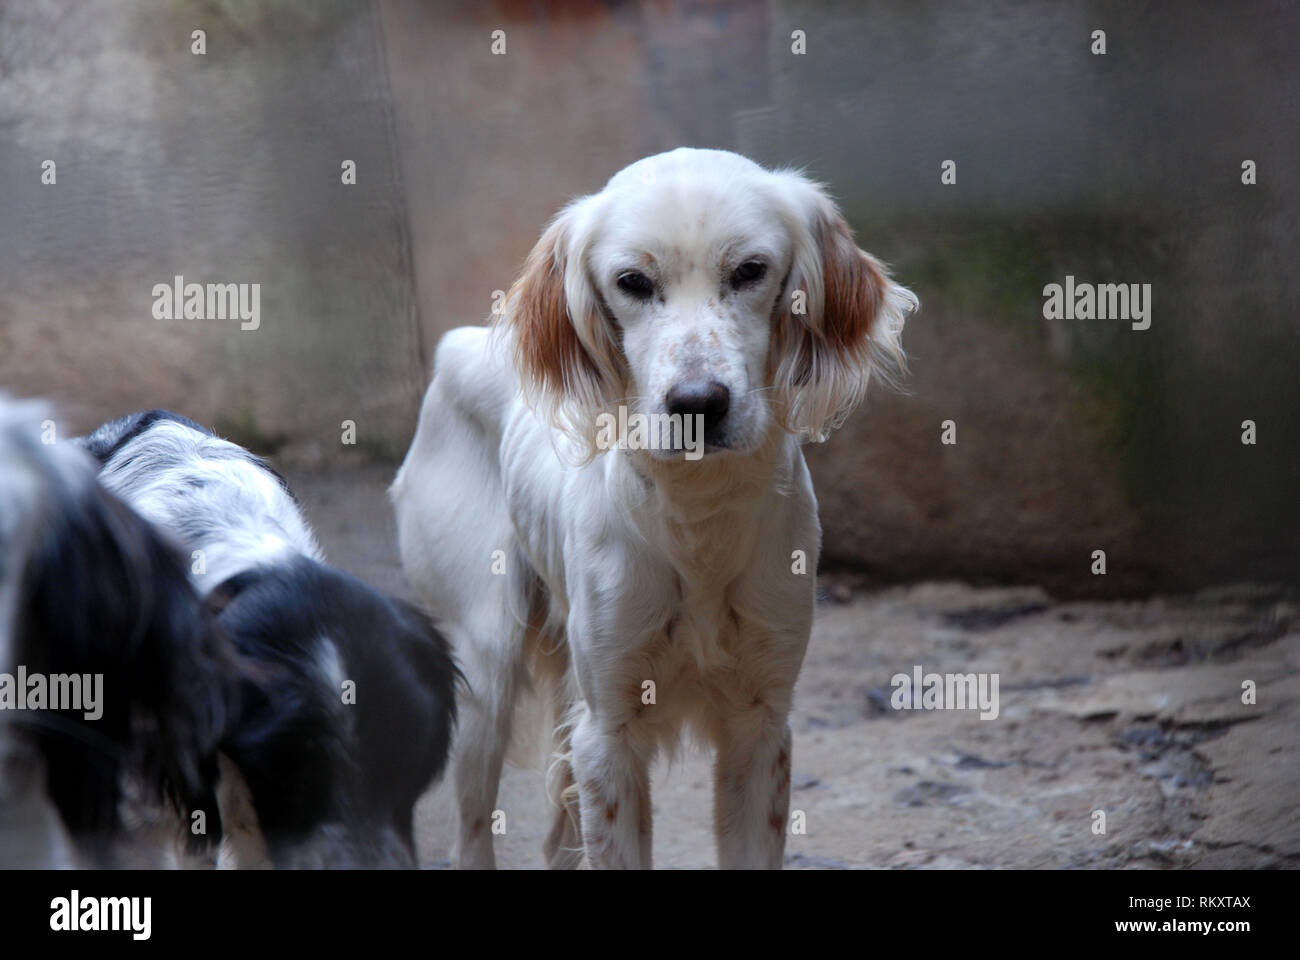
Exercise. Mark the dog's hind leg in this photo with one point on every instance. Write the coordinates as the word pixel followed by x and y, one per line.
pixel 491 658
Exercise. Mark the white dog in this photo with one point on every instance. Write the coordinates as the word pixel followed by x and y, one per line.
pixel 641 589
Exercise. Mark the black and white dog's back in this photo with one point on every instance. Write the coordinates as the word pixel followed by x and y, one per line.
pixel 352 714
pixel 216 497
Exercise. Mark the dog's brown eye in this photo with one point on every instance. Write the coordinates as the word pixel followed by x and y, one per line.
pixel 748 272
pixel 636 285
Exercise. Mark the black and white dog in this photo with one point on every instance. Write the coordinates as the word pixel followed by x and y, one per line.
pixel 348 714
pixel 114 683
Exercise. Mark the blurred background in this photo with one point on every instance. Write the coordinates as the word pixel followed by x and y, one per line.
pixel 1072 435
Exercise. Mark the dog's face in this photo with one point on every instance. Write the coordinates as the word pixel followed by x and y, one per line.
pixel 690 265
pixel 699 285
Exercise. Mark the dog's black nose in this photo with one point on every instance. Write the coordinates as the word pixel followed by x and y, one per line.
pixel 706 398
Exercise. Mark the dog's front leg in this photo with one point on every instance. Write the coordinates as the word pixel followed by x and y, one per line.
pixel 614 793
pixel 751 797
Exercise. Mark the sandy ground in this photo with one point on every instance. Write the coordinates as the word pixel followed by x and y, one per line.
pixel 1131 708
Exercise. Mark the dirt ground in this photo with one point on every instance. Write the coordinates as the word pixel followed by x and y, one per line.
pixel 1131 708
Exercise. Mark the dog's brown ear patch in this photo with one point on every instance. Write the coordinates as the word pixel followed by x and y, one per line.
pixel 823 356
pixel 854 291
pixel 549 353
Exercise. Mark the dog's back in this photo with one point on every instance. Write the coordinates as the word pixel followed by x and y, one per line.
pixel 213 495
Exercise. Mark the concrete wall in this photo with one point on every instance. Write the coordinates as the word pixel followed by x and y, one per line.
pixel 223 168
pixel 1072 436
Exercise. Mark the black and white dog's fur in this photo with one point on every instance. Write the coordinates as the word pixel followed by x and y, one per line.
pixel 88 587
pixel 349 714
pixel 236 693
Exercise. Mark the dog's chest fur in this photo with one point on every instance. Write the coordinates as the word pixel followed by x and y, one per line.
pixel 701 649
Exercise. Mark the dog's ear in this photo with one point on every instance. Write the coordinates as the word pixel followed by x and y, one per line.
pixel 840 320
pixel 565 351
